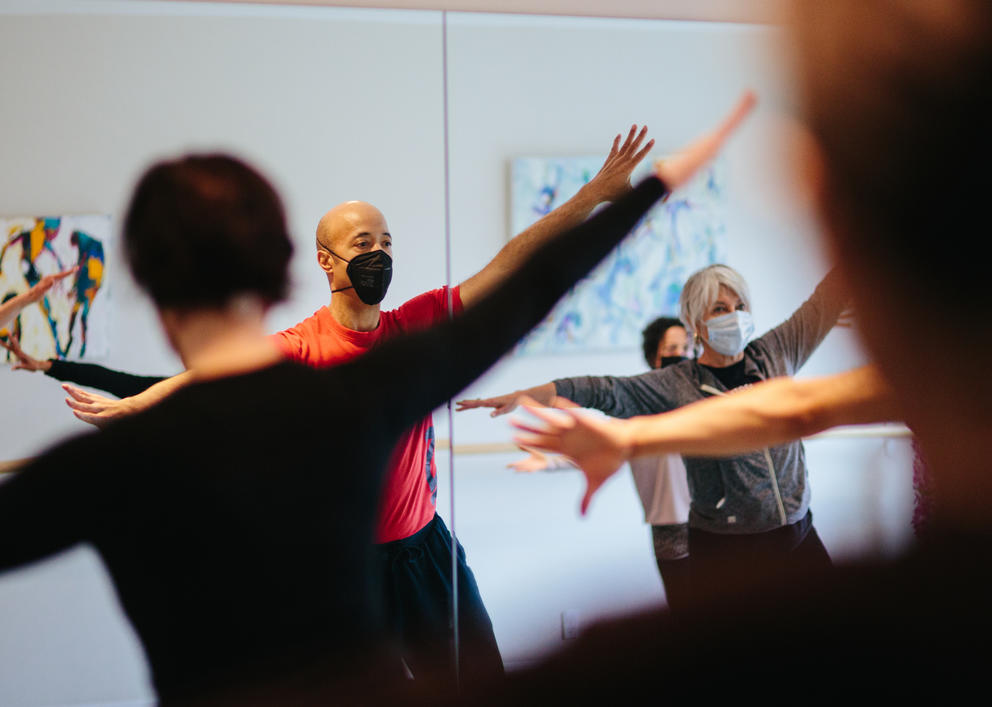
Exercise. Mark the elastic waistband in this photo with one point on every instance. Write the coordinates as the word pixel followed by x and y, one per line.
pixel 416 539
pixel 789 536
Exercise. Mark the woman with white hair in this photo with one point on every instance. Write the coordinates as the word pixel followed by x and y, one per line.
pixel 749 515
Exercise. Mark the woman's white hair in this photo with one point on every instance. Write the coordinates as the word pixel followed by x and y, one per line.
pixel 702 289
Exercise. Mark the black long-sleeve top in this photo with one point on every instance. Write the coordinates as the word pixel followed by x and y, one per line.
pixel 236 516
pixel 91 375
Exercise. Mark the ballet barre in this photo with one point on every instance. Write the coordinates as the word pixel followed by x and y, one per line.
pixel 844 432
pixel 891 431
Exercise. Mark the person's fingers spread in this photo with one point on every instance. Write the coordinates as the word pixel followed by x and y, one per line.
pixel 644 151
pixel 76 393
pixel 630 136
pixel 613 150
pixel 639 139
pixel 554 419
pixel 528 427
pixel 84 407
pixel 472 404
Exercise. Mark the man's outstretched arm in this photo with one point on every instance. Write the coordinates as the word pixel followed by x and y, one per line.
pixel 611 182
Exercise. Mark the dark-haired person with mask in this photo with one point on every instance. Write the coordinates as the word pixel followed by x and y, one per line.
pixel 354 249
pixel 661 480
pixel 749 515
pixel 240 551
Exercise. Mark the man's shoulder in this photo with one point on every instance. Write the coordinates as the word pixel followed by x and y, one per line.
pixel 426 308
pixel 320 319
pixel 316 340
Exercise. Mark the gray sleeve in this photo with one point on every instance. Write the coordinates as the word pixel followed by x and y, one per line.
pixel 645 394
pixel 796 338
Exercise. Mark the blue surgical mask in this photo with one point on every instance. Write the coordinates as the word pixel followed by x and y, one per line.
pixel 729 333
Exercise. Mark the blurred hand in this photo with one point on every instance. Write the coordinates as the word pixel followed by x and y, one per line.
pixel 25 362
pixel 679 169
pixel 46 283
pixel 539 461
pixel 502 404
pixel 597 446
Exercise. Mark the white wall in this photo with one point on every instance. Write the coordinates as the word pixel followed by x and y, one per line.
pixel 339 104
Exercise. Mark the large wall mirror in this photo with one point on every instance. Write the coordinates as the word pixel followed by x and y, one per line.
pixel 558 89
pixel 341 103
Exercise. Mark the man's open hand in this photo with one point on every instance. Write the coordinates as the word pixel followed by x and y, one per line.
pixel 613 179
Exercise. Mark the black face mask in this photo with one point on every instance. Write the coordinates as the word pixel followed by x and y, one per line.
pixel 669 360
pixel 370 274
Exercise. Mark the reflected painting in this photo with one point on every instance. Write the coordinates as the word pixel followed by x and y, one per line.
pixel 641 279
pixel 70 320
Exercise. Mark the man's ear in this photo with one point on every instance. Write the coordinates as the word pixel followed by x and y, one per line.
pixel 325 260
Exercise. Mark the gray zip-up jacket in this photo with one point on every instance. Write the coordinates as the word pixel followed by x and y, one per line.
pixel 751 493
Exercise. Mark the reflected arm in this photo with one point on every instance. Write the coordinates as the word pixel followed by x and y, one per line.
pixel 12 307
pixel 87 374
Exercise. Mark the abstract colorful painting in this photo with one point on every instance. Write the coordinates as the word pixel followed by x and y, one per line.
pixel 643 277
pixel 71 320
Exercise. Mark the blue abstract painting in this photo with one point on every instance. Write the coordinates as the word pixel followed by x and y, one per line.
pixel 642 278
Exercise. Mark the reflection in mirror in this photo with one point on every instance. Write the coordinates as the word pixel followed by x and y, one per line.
pixel 308 95
pixel 535 103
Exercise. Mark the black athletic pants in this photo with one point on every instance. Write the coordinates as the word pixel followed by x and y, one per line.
pixel 416 577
